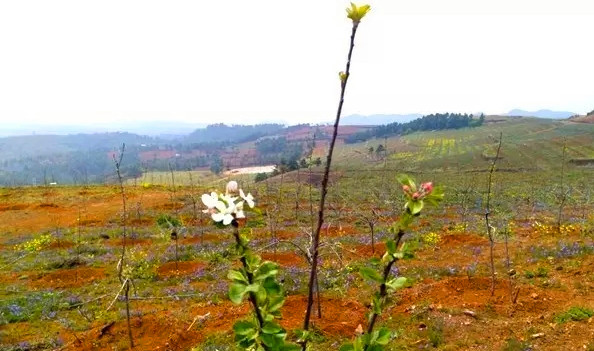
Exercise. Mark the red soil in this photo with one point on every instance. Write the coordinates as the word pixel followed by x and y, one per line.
pixel 165 331
pixel 152 332
pixel 100 207
pixel 198 238
pixel 67 278
pixel 366 251
pixel 62 244
pixel 475 294
pixel 340 317
pixel 285 259
pixel 129 242
pixel 13 207
pixel 333 230
pixel 462 239
pixel 170 269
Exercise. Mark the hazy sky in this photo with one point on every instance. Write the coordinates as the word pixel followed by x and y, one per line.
pixel 240 61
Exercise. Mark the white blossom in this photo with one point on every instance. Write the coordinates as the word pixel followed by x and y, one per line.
pixel 248 198
pixel 224 208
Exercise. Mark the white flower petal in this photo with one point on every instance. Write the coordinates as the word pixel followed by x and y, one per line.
pixel 228 199
pixel 217 217
pixel 208 200
pixel 220 205
pixel 227 219
pixel 248 198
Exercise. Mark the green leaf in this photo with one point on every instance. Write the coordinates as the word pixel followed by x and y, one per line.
pixel 405 221
pixel 258 292
pixel 244 328
pixel 386 257
pixel 375 261
pixel 237 276
pixel 376 305
pixel 303 335
pixel 391 246
pixel 290 347
pixel 397 283
pixel 252 261
pixel 245 334
pixel 414 207
pixel 406 180
pixel 272 328
pixel 266 269
pixel 273 341
pixel 237 292
pixel 252 287
pixel 370 274
pixel 275 303
pixel 272 287
pixel 398 255
pixel 383 336
pixel 347 347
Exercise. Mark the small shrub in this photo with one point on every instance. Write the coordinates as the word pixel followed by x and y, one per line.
pixel 514 344
pixel 435 333
pixel 574 314
pixel 542 272
pixel 260 177
pixel 166 221
pixel 138 266
pixel 431 239
pixel 36 244
pixel 68 262
pixel 529 274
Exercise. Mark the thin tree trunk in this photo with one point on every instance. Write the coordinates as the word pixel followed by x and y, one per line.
pixel 324 190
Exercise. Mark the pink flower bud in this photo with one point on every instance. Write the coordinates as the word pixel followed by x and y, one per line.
pixel 416 195
pixel 427 187
pixel 232 188
pixel 406 188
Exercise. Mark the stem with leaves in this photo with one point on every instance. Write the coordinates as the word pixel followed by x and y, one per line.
pixel 256 279
pixel 416 198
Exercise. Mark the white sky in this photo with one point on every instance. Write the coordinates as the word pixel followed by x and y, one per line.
pixel 240 61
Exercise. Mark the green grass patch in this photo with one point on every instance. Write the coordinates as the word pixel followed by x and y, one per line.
pixel 574 314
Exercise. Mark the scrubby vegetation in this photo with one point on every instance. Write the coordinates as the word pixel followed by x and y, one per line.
pixel 429 122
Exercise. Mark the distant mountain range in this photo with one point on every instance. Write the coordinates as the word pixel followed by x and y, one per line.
pixel 162 129
pixel 170 130
pixel 373 120
pixel 540 114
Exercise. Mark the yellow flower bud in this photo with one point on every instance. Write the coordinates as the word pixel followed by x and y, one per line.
pixel 342 76
pixel 356 13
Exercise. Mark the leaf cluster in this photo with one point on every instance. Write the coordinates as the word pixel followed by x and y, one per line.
pixel 258 280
